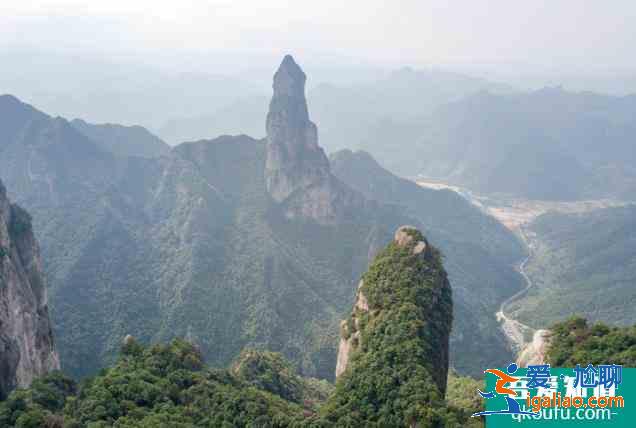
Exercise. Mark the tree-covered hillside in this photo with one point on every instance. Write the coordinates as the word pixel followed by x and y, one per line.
pixel 394 346
pixel 189 244
pixel 159 386
pixel 169 386
pixel 479 254
pixel 575 341
pixel 582 264
pixel 396 377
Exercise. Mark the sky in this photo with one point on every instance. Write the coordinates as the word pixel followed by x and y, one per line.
pixel 568 35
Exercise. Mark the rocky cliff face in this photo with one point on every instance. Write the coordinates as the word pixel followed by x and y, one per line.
pixel 535 352
pixel 26 339
pixel 297 171
pixel 348 338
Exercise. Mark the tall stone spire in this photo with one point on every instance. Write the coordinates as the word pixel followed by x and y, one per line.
pixel 294 159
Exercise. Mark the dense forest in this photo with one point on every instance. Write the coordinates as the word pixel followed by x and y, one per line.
pixel 169 386
pixel 575 341
pixel 396 376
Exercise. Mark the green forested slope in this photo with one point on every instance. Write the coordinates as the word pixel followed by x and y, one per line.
pixel 479 254
pixel 164 386
pixel 583 264
pixel 169 386
pixel 184 245
pixel 398 339
pixel 396 376
pixel 575 341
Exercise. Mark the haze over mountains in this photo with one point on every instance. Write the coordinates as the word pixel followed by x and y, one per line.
pixel 193 244
pixel 402 94
pixel 487 136
pixel 548 144
pixel 123 140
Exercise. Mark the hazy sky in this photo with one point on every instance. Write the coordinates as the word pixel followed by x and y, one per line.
pixel 567 34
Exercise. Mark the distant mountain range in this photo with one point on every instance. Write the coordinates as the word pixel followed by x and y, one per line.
pixel 123 140
pixel 487 136
pixel 234 241
pixel 347 115
pixel 549 144
pixel 116 90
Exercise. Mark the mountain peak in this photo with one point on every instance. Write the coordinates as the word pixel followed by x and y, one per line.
pixel 297 171
pixel 9 99
pixel 294 159
pixel 289 79
pixel 409 236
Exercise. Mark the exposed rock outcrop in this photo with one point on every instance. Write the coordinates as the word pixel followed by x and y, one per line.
pixel 294 159
pixel 535 351
pixel 297 171
pixel 26 339
pixel 404 237
pixel 349 336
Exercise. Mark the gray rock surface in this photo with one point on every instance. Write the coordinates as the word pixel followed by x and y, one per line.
pixel 535 352
pixel 349 339
pixel 297 171
pixel 404 237
pixel 26 340
pixel 294 159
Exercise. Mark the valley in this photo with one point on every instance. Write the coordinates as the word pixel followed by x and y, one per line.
pixel 514 212
pixel 542 263
pixel 518 334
